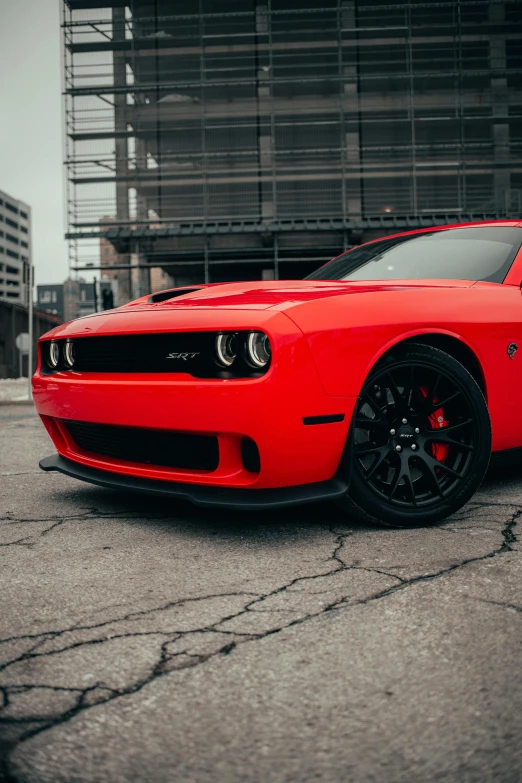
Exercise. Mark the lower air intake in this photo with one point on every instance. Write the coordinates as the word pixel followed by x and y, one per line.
pixel 151 447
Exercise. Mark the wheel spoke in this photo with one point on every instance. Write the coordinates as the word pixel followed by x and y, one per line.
pixel 374 405
pixel 449 399
pixel 402 472
pixel 363 423
pixel 383 452
pixel 455 427
pixel 400 402
pixel 441 437
pixel 412 489
pixel 432 476
pixel 433 463
pixel 429 405
pixel 412 387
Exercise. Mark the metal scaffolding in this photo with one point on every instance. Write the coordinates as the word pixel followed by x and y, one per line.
pixel 238 139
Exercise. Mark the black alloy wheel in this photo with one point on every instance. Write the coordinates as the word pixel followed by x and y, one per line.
pixel 420 439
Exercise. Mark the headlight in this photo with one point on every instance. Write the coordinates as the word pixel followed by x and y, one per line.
pixel 226 349
pixel 68 353
pixel 54 353
pixel 258 351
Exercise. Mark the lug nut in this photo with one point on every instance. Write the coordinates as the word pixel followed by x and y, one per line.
pixel 405 421
pixel 398 448
pixel 414 447
pixel 417 430
pixel 392 432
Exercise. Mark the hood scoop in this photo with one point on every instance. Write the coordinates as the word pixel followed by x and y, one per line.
pixel 162 296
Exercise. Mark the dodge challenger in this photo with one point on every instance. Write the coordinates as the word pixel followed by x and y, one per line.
pixel 385 380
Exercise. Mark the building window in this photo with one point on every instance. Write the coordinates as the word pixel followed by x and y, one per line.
pixel 23 229
pixel 24 244
pixel 12 239
pixel 11 207
pixel 12 223
pixel 12 254
pixel 12 270
pixel 12 294
pixel 54 297
pixel 23 214
pixel 1 233
pixel 2 250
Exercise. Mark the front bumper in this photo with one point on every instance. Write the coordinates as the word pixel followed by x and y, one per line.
pixel 205 496
pixel 300 430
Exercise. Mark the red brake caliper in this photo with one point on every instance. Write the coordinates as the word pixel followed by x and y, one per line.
pixel 437 420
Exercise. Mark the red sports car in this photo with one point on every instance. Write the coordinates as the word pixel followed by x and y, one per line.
pixel 385 379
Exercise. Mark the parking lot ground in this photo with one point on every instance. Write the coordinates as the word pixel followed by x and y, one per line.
pixel 145 640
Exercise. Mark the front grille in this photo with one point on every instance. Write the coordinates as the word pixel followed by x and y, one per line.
pixel 178 352
pixel 152 447
pixel 193 353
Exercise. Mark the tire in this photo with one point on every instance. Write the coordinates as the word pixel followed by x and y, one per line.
pixel 420 439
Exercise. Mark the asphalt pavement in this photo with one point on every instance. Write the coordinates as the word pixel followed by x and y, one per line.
pixel 147 641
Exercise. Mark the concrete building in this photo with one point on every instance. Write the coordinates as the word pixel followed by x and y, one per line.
pixel 125 286
pixel 75 298
pixel 49 299
pixel 14 320
pixel 243 139
pixel 15 249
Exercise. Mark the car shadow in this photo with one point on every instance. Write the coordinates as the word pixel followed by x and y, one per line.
pixel 295 521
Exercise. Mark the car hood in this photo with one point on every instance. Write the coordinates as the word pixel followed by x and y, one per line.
pixel 275 294
pixel 227 305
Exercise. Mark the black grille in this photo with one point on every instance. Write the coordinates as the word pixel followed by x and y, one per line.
pixel 153 447
pixel 177 352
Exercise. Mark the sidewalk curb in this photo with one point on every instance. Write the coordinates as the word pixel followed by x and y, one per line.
pixel 16 402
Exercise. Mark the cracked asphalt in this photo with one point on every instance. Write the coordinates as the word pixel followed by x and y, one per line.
pixel 142 640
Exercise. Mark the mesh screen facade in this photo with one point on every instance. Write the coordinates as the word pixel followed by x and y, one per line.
pixel 234 139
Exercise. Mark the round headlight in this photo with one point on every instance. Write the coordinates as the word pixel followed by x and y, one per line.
pixel 54 353
pixel 258 349
pixel 226 349
pixel 68 353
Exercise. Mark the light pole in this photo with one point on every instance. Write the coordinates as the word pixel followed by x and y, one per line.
pixel 31 331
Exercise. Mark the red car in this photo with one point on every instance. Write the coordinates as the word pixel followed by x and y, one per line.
pixel 385 379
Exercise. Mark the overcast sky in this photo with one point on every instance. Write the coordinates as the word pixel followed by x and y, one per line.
pixel 31 155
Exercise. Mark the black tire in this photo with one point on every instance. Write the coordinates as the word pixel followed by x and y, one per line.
pixel 420 439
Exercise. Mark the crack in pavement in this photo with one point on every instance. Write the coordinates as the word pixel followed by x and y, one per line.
pixel 223 641
pixel 90 513
pixel 508 606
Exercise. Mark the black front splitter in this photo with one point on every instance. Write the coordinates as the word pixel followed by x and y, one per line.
pixel 210 497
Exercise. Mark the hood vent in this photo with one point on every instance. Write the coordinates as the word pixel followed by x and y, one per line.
pixel 162 296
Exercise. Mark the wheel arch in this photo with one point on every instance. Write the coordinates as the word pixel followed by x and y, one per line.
pixel 451 344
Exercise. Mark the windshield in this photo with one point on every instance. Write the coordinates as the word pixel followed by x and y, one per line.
pixel 480 253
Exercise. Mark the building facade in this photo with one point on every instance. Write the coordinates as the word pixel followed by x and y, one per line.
pixel 75 298
pixel 14 320
pixel 15 249
pixel 49 299
pixel 247 139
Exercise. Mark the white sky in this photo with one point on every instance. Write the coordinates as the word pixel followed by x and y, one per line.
pixel 31 155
